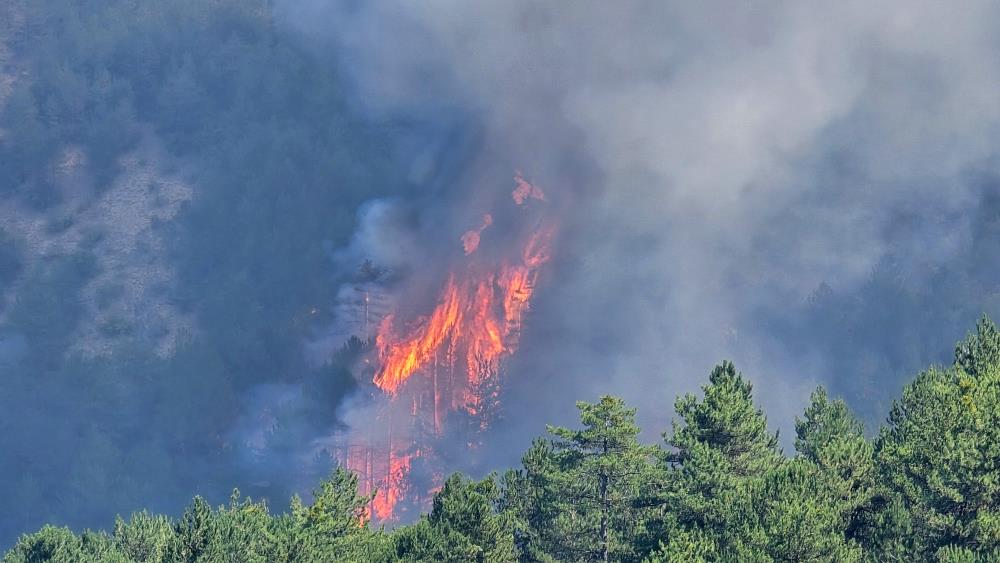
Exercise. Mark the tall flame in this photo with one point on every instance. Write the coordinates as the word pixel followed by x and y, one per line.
pixel 400 358
pixel 478 313
pixel 447 359
pixel 395 485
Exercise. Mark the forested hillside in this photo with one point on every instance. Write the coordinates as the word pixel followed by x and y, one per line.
pixel 181 181
pixel 173 177
pixel 926 487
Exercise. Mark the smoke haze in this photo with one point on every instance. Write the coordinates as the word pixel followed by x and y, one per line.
pixel 720 165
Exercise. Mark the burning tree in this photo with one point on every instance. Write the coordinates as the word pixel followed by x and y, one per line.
pixel 447 364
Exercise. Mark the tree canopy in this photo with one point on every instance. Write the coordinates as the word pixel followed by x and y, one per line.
pixel 926 488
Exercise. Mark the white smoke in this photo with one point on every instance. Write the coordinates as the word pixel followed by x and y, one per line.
pixel 736 155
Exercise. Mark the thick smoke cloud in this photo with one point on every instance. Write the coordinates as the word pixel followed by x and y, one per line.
pixel 718 163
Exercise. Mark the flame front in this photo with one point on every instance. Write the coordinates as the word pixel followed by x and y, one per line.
pixel 450 359
pixel 478 313
pixel 400 358
pixel 394 488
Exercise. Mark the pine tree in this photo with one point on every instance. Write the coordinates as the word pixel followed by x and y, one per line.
pixel 144 537
pixel 823 423
pixel 832 438
pixel 940 448
pixel 48 544
pixel 193 531
pixel 465 525
pixel 582 487
pixel 722 443
pixel 333 527
pixel 728 422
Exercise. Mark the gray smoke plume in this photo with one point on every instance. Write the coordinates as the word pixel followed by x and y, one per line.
pixel 720 166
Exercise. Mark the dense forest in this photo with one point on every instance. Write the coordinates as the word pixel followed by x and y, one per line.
pixel 228 103
pixel 925 488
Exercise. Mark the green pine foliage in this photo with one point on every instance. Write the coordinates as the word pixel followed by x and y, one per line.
pixel 579 491
pixel 466 524
pixel 728 423
pixel 940 452
pixel 830 437
pixel 926 488
pixel 792 513
pixel 722 444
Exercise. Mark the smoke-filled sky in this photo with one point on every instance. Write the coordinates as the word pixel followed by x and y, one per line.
pixel 718 163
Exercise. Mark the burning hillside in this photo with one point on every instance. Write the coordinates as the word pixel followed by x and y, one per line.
pixel 438 373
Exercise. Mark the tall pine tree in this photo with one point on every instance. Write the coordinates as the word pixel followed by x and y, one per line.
pixel 940 451
pixel 722 442
pixel 580 489
pixel 829 436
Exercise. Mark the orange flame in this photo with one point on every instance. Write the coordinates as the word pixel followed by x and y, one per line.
pixel 479 314
pixel 470 240
pixel 455 351
pixel 402 357
pixel 393 488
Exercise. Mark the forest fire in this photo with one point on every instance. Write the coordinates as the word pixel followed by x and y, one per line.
pixel 449 360
pixel 389 495
pixel 478 314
